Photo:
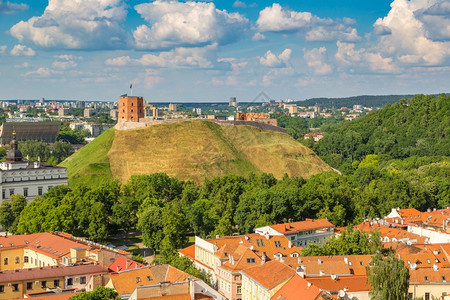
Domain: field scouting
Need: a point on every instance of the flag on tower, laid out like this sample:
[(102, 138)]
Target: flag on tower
[(131, 85)]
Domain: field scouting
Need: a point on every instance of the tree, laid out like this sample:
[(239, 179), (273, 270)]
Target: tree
[(100, 293), (6, 215), (389, 278), (150, 223)]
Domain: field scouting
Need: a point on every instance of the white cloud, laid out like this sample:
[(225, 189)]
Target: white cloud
[(276, 18), (21, 50), (240, 4), (22, 66), (317, 60), (416, 32), (64, 62), (42, 72), (81, 24), (9, 8), (259, 37), (201, 57), (271, 60), (187, 24), (348, 56), (3, 49)]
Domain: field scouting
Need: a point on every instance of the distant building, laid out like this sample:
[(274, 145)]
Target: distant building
[(257, 117), (197, 110), (64, 112), (36, 131), (114, 114), (315, 135), (232, 102), (172, 107), (28, 178), (131, 108), (89, 112), (358, 107)]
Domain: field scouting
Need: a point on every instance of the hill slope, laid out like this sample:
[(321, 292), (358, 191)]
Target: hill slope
[(195, 150)]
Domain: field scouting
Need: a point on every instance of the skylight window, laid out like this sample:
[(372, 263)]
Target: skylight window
[(251, 260)]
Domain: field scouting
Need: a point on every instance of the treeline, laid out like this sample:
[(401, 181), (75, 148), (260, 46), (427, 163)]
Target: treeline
[(417, 127), (167, 210), (364, 100)]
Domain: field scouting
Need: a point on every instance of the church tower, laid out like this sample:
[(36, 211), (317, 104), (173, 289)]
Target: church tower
[(131, 108)]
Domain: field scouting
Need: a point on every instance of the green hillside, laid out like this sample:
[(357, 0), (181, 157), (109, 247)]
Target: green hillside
[(192, 150), (419, 126), (90, 164)]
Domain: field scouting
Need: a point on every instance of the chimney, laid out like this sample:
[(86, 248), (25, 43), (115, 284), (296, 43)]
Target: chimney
[(334, 277), (435, 267), (301, 271), (263, 259), (118, 269), (127, 265), (282, 258), (413, 266), (319, 261), (346, 260), (309, 284), (267, 235), (322, 273), (299, 260), (290, 244)]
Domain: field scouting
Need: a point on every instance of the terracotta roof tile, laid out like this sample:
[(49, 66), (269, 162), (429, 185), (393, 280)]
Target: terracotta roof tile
[(308, 224), (123, 263), (345, 283), (270, 274), (125, 282), (297, 288)]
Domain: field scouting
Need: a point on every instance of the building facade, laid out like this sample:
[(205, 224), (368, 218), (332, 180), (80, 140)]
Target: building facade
[(27, 178), (131, 108)]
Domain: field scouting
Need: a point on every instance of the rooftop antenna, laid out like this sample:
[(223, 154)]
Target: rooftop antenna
[(131, 89)]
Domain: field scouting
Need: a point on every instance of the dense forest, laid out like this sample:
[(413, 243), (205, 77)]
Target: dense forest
[(419, 126), (364, 100)]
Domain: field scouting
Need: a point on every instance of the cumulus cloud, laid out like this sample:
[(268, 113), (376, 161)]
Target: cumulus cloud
[(276, 18), (201, 57), (240, 4), (190, 24), (24, 65), (42, 72), (347, 55), (82, 24), (259, 37), (317, 60), (416, 32), (9, 8), (64, 62), (3, 49), (271, 60), (22, 50)]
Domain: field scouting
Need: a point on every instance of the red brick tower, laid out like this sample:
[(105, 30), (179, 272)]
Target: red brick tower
[(131, 108)]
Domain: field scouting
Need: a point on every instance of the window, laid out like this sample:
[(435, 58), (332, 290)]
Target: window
[(69, 281), (138, 279), (11, 192), (149, 278), (426, 278), (131, 110), (238, 289), (427, 296), (25, 259), (2, 288), (428, 261), (443, 278), (123, 104), (410, 296), (15, 287), (292, 238), (262, 243), (40, 190), (251, 260), (277, 244), (17, 260), (29, 285), (3, 193), (257, 242), (5, 261), (83, 280), (25, 192), (56, 283), (44, 284)]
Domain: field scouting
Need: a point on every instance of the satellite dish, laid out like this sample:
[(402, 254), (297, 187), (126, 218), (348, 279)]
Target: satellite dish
[(341, 293)]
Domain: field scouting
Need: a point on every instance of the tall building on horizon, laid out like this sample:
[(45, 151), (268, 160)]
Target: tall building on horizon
[(131, 108)]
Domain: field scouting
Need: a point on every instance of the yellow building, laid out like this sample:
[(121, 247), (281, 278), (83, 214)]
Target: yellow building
[(16, 283), (52, 249), (263, 281)]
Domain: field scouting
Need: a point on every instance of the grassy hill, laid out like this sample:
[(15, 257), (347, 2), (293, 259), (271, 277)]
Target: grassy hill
[(192, 150)]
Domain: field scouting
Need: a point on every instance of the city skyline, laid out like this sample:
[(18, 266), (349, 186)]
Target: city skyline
[(209, 51)]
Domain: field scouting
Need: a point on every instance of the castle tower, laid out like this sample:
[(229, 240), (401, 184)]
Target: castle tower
[(131, 108)]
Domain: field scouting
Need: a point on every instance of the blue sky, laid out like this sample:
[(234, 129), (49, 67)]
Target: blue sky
[(209, 51)]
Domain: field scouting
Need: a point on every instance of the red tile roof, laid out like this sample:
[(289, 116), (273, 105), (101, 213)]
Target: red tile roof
[(297, 288), (345, 283), (123, 263), (188, 251), (270, 274), (308, 224)]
